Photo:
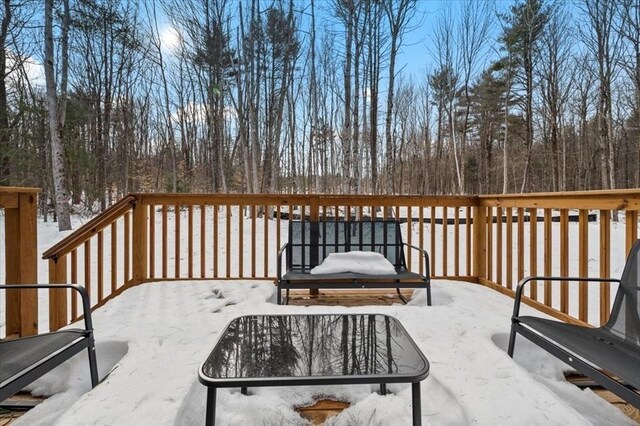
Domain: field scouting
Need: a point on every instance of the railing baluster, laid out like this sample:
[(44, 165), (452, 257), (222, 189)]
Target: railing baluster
[(445, 239), (228, 242), (152, 241), (87, 267), (74, 280), (520, 265), (631, 229), (215, 241), (190, 241), (100, 266), (165, 246), (127, 247), (421, 237), (241, 241), (409, 235), (253, 240), (533, 250), (583, 264), (564, 260), (265, 242), (548, 256), (469, 248), (489, 238), (278, 225), (499, 271), (456, 241), (177, 240), (509, 260), (114, 256), (432, 253), (605, 265), (203, 239)]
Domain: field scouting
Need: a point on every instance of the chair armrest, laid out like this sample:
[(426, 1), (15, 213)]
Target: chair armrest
[(525, 281), (86, 305), (279, 266), (424, 253)]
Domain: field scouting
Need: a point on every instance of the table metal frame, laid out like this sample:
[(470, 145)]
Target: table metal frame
[(244, 383)]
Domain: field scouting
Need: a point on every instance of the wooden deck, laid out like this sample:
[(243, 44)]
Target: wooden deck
[(347, 297)]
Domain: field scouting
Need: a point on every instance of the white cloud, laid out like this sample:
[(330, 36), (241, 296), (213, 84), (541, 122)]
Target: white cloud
[(32, 68)]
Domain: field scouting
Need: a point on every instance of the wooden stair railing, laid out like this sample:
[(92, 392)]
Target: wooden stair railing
[(66, 266)]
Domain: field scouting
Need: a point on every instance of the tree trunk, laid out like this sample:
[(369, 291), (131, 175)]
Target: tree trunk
[(55, 123), (5, 170)]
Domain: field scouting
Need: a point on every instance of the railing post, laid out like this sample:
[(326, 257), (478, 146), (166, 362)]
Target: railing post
[(314, 207), (479, 241), (21, 262), (314, 215), (140, 243), (631, 229), (58, 297)]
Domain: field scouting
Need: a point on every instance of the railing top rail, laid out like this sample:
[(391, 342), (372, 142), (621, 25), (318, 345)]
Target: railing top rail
[(615, 199), (294, 199), (19, 189), (90, 228)]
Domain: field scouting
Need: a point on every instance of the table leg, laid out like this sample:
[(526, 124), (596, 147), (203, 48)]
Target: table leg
[(210, 420), (415, 404), (244, 391), (383, 388)]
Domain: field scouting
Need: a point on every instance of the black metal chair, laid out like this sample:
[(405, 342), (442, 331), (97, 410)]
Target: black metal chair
[(310, 242), (25, 359), (610, 354)]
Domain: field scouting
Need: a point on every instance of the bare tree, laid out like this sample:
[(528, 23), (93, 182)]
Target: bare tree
[(4, 111), (156, 44), (556, 74), (473, 36), (630, 32), (399, 13), (604, 44), (57, 109)]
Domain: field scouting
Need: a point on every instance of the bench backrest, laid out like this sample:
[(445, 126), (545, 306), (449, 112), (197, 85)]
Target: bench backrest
[(625, 315), (311, 242)]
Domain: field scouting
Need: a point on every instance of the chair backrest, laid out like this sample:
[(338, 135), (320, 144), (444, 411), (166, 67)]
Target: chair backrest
[(625, 315), (311, 242)]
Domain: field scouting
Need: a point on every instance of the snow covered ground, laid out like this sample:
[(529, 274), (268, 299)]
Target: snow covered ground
[(153, 338)]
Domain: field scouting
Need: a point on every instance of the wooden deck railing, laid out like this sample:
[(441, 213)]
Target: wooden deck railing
[(20, 258), (82, 258), (583, 233), (486, 239)]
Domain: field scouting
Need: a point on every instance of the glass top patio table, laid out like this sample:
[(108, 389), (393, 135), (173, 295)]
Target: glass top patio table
[(284, 350)]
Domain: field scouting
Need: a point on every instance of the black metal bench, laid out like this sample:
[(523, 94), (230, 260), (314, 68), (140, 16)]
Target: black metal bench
[(25, 359), (610, 354), (310, 242)]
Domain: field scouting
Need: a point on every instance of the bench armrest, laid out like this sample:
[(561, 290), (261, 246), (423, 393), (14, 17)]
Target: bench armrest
[(86, 306), (425, 255), (527, 280), (279, 266)]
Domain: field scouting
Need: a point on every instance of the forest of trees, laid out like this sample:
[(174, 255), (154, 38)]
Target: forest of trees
[(299, 96)]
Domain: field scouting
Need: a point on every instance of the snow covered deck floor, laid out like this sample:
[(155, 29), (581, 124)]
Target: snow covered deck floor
[(153, 337)]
